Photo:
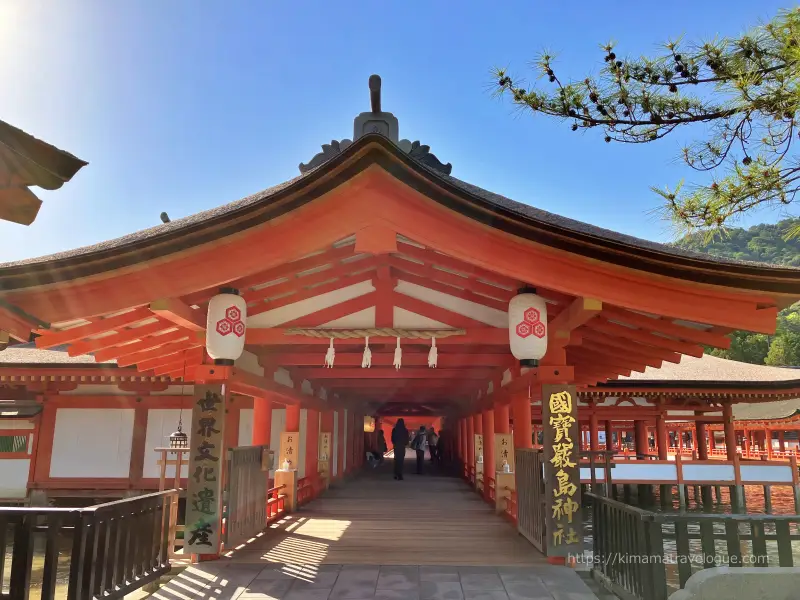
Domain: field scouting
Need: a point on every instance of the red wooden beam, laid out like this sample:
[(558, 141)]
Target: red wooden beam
[(428, 272), (431, 311), (594, 337), (116, 339), (276, 336), (644, 337), (288, 269), (148, 343), (378, 373), (297, 283), (410, 359), (174, 361), (579, 311), (179, 313), (49, 338), (303, 293), (453, 291), (687, 334), (621, 353), (141, 357), (337, 311)]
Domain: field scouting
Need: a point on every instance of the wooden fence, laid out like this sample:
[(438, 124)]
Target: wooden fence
[(644, 555), (115, 548), (246, 494), (530, 497)]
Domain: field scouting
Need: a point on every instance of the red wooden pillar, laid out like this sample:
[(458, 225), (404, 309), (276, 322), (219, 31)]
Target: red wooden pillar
[(470, 442), (712, 442), (464, 442), (609, 427), (730, 432), (341, 443), (781, 441), (488, 450), (312, 444), (502, 422), (662, 439), (478, 423), (523, 427), (594, 438), (640, 437), (700, 430), (768, 442), (746, 441), (292, 418), (262, 421)]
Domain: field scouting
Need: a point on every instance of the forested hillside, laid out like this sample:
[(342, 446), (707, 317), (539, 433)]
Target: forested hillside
[(762, 243)]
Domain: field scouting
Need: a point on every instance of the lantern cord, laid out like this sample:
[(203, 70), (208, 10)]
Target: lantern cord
[(330, 356), (433, 355), (366, 361), (183, 387), (341, 334), (398, 356)]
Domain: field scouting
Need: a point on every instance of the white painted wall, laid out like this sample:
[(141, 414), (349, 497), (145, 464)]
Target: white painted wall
[(92, 442), (335, 444), (14, 477), (161, 422), (245, 427), (479, 312)]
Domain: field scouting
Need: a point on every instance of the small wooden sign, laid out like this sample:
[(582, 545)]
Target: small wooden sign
[(325, 445), (503, 451), (478, 446), (289, 449), (562, 470)]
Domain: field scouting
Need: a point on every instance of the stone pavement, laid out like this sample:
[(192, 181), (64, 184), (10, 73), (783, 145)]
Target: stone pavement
[(231, 581)]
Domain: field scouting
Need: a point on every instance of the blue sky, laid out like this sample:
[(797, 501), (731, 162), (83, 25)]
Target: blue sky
[(183, 105)]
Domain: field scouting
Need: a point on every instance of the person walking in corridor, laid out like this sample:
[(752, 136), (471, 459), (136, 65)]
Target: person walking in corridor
[(399, 445), (433, 445), (419, 444)]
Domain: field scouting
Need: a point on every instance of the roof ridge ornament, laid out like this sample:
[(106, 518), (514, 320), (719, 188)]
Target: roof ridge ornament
[(377, 122)]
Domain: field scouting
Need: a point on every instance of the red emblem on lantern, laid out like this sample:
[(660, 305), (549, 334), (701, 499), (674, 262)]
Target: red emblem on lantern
[(231, 323), (531, 324)]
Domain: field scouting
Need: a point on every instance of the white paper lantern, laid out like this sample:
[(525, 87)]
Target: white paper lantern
[(226, 325), (527, 327)]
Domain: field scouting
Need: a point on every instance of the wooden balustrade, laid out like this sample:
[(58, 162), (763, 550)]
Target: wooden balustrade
[(116, 547), (275, 502), (511, 506), (644, 555), (491, 483)]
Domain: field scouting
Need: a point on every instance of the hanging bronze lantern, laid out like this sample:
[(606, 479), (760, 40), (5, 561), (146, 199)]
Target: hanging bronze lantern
[(178, 439)]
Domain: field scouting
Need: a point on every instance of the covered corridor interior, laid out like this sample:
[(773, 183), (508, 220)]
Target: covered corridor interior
[(427, 537)]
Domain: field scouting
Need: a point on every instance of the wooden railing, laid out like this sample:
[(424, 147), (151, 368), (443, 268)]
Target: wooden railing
[(309, 488), (646, 556), (511, 505), (246, 494), (275, 502), (116, 547), (491, 483)]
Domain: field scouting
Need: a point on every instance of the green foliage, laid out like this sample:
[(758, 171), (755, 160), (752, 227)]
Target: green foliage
[(741, 95), (760, 243), (784, 350)]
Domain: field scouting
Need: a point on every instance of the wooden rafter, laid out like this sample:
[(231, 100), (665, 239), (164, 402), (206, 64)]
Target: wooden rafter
[(437, 313), (148, 343), (49, 339), (140, 357), (645, 337), (303, 293), (679, 332), (615, 341), (456, 292), (181, 314), (124, 336)]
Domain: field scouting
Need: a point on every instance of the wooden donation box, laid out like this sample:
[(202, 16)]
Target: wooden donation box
[(504, 479)]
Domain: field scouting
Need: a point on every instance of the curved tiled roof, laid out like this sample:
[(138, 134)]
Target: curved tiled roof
[(474, 202), (710, 368), (29, 354)]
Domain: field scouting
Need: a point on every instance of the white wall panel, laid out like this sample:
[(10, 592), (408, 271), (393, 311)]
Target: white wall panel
[(479, 312), (344, 441), (14, 477), (161, 422), (92, 442), (245, 427)]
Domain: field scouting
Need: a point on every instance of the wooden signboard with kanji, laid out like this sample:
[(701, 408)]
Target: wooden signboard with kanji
[(324, 445), (478, 446), (204, 494), (289, 449), (503, 451), (562, 470)]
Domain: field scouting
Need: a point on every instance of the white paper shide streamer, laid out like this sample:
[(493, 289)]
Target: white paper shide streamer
[(398, 356), (366, 361), (330, 356), (433, 355)]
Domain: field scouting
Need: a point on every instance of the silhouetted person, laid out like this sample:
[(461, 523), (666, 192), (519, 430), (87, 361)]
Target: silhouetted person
[(399, 445), (419, 444), (381, 445)]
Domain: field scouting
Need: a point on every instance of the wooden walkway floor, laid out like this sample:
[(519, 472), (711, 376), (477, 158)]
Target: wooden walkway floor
[(374, 520)]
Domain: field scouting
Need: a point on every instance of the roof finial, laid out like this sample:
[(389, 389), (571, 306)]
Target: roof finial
[(375, 92)]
